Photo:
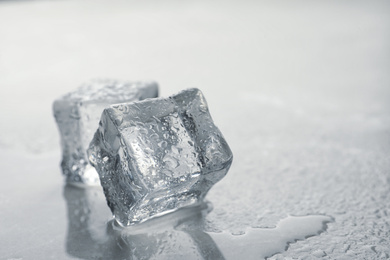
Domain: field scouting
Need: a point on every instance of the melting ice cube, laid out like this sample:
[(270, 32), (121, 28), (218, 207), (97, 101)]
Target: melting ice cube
[(77, 115), (158, 155)]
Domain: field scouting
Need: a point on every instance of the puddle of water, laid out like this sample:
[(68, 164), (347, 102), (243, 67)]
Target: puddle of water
[(91, 234), (260, 243)]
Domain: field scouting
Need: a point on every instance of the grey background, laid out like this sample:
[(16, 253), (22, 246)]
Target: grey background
[(299, 89)]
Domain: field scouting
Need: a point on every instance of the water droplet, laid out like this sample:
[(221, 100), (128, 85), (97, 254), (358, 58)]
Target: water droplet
[(118, 121), (238, 233), (163, 144)]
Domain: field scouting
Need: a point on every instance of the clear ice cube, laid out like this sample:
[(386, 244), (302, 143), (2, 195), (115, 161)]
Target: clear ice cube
[(158, 155), (77, 115)]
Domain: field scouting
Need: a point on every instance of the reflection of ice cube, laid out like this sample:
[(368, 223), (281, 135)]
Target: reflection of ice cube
[(172, 236), (178, 235), (172, 244), (87, 217), (77, 115), (158, 155)]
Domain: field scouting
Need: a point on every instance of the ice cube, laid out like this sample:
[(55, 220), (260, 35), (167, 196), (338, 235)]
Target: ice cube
[(158, 155), (77, 115)]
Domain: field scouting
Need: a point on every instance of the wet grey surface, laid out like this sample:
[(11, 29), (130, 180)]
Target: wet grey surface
[(300, 92)]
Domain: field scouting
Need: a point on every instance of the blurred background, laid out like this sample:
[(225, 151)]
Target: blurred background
[(299, 89), (329, 53)]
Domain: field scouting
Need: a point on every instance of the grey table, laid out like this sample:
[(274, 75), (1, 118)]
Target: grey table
[(300, 91)]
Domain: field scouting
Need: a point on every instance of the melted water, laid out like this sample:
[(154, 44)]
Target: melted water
[(178, 235), (259, 243)]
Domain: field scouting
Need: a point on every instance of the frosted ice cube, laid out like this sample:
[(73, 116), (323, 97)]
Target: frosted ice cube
[(158, 155), (77, 115)]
